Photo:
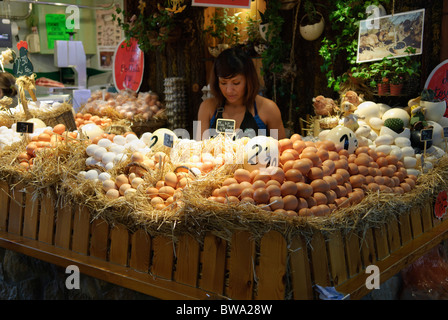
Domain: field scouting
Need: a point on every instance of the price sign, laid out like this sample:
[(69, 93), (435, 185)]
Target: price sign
[(225, 125), (441, 204), (129, 63), (426, 134), (25, 127), (162, 137), (261, 152)]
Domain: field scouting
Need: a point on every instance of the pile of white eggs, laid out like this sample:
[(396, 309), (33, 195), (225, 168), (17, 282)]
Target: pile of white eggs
[(107, 154), (8, 136)]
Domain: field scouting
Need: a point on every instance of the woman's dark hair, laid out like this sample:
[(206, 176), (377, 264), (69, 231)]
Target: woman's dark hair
[(228, 64), (7, 84)]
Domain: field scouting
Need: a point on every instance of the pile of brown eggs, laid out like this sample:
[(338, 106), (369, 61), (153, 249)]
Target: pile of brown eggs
[(315, 178)]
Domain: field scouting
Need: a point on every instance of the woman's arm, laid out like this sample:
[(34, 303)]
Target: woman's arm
[(270, 113), (205, 114)]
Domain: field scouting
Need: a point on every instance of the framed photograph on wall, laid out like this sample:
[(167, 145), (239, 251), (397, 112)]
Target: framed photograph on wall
[(222, 3), (390, 35)]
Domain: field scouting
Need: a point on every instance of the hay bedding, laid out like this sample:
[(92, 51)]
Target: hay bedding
[(56, 173)]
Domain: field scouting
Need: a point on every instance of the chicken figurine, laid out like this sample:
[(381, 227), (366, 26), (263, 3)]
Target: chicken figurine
[(349, 118)]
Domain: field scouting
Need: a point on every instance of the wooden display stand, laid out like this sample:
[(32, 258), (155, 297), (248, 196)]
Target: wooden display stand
[(271, 268)]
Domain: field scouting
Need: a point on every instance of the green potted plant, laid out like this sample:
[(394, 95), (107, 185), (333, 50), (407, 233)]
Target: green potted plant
[(151, 29), (255, 43), (225, 29), (403, 68), (312, 23)]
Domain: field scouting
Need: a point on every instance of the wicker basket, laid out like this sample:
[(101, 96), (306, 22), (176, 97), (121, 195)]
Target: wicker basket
[(67, 118)]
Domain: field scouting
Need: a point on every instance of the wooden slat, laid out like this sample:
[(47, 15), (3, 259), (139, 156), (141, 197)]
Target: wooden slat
[(81, 230), (213, 262), (271, 269), (119, 245), (405, 228), (187, 265), (416, 222), (319, 260), (338, 265), (31, 215), (393, 234), (16, 208), (162, 263), (368, 248), (241, 266), (140, 251), (4, 205), (300, 270), (381, 243), (427, 217), (46, 220), (64, 222), (99, 239), (353, 252)]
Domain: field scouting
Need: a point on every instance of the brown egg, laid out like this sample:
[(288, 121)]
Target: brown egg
[(295, 137), (311, 149), (373, 187), (160, 184), (398, 190), (246, 184), (342, 202), (332, 182), (341, 164), (258, 184), (276, 202), (406, 187), (325, 210), (363, 170), (294, 175), (344, 173), (351, 158), (157, 200), (286, 156), (355, 197), (247, 200), (229, 181), (357, 180), (348, 186), (391, 159), (410, 182), (328, 145), (338, 177), (302, 203), (220, 199), (222, 192), (241, 175), (330, 164), (320, 198), (340, 191), (361, 150), (373, 164), (261, 196), (285, 144), (290, 202), (326, 171), (396, 181), (303, 165), (387, 171), (294, 153), (121, 179), (353, 169), (109, 184), (234, 189), (311, 202), (382, 161), (166, 192), (288, 165), (274, 190), (379, 180), (288, 188), (312, 156), (112, 194), (273, 182), (253, 174), (319, 185), (386, 189), (362, 161), (152, 192), (247, 193), (343, 152), (369, 179), (264, 176), (304, 190), (304, 212), (171, 179), (231, 199), (298, 145), (315, 173), (137, 157), (277, 174), (333, 155), (123, 188), (316, 211), (323, 154)]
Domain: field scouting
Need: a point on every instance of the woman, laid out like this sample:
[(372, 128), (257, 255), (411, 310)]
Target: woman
[(234, 85), (7, 87)]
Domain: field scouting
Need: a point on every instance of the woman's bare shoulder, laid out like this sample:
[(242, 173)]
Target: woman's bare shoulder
[(208, 105), (265, 105)]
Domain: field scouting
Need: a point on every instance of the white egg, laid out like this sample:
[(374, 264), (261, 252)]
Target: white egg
[(131, 137), (90, 150), (108, 157), (396, 151), (409, 162), (120, 157), (385, 139), (105, 143), (82, 174), (98, 154), (402, 142), (408, 151), (120, 140), (117, 148), (383, 148), (376, 123), (91, 174), (414, 172), (109, 166), (91, 161), (146, 137), (104, 176)]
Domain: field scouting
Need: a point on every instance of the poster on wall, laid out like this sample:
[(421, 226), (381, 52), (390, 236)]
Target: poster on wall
[(108, 36), (390, 35), (438, 81), (128, 66), (222, 3), (56, 29)]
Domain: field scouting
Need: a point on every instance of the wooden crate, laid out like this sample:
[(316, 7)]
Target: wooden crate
[(271, 268)]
